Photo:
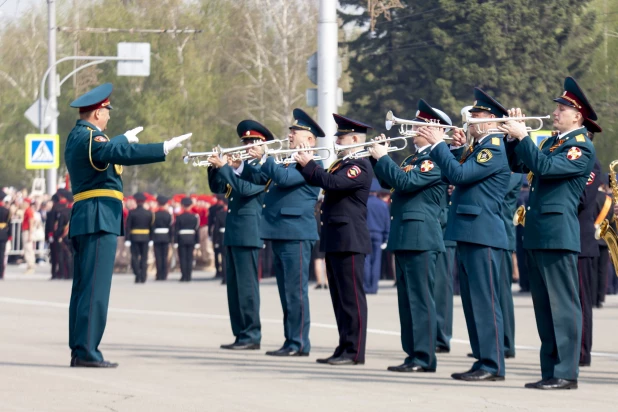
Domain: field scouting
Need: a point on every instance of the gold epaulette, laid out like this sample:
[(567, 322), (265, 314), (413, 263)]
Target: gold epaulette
[(580, 138), (229, 191)]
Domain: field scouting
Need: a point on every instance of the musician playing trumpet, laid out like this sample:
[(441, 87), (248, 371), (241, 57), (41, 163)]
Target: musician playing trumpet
[(415, 238), (289, 223), (481, 177)]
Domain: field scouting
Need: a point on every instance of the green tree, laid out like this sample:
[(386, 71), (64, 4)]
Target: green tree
[(519, 51)]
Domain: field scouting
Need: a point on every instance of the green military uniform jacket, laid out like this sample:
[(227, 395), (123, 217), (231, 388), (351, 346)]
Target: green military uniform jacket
[(244, 207), (415, 209), (560, 170), (94, 162)]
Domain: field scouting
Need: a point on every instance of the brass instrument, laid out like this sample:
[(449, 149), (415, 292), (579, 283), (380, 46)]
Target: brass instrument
[(365, 152), (605, 230), (406, 127), (235, 153), (519, 218), (284, 156), (476, 121)]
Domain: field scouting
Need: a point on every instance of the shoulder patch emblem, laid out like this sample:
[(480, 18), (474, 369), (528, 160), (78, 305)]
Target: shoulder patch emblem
[(427, 165), (354, 172), (574, 153), (100, 139), (484, 156), (580, 138), (495, 141), (591, 179)]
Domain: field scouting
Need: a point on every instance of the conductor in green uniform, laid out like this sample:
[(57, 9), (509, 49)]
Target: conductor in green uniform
[(94, 162)]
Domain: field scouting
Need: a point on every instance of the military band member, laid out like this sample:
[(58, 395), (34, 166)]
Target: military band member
[(480, 177), (94, 164), (161, 236), (416, 239), (560, 170), (61, 236), (50, 222), (241, 239), (137, 236), (344, 237), (5, 231), (288, 222), (590, 250), (506, 291), (186, 238)]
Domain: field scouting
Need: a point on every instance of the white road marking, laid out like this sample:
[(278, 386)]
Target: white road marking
[(223, 317)]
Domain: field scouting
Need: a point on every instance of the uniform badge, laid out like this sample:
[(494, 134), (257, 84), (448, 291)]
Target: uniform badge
[(100, 139), (574, 153), (427, 165), (580, 138), (590, 179), (354, 172), (484, 156)]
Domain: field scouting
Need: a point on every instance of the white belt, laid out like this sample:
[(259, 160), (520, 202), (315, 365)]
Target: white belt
[(186, 232), (162, 230)]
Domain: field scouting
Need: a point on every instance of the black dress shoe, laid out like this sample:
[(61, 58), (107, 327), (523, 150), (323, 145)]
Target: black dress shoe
[(442, 349), (73, 361), (470, 355), (241, 346), (286, 352), (509, 355), (409, 367), (339, 361), (532, 385), (319, 286), (555, 383), (325, 360), (477, 376), (584, 363), (92, 364)]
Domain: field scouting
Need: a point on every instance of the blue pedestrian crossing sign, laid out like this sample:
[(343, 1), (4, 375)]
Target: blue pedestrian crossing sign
[(42, 151)]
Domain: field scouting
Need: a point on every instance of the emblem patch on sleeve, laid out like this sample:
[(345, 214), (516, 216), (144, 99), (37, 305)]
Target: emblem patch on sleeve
[(427, 165), (354, 172), (574, 153), (591, 179), (100, 139), (484, 156)]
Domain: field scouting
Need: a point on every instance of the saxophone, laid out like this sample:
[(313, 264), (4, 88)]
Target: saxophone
[(605, 231)]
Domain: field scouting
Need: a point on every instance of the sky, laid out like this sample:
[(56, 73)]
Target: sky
[(9, 9)]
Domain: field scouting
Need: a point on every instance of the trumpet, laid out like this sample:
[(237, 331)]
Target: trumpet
[(406, 126), (365, 152), (475, 121), (284, 156), (235, 153)]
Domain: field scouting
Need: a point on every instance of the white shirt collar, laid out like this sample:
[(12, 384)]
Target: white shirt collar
[(561, 135), (420, 149)]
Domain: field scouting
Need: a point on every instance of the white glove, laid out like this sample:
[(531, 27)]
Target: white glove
[(174, 142), (197, 246), (150, 243), (132, 134), (127, 243), (383, 246), (175, 245)]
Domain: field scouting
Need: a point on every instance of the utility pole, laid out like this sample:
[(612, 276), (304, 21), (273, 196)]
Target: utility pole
[(327, 72), (52, 174)]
